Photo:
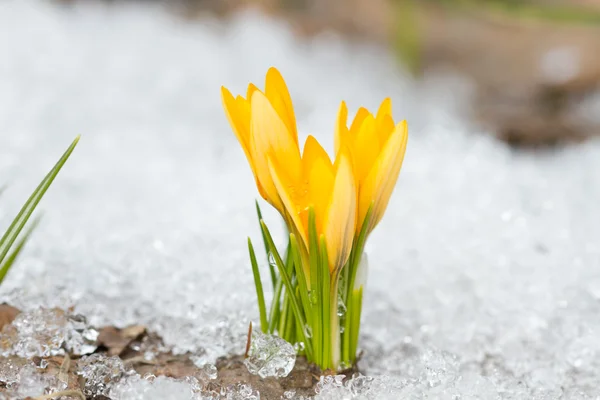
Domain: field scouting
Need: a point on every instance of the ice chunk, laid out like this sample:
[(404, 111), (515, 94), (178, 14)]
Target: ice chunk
[(23, 379), (9, 369), (100, 373), (81, 338), (46, 332), (270, 355)]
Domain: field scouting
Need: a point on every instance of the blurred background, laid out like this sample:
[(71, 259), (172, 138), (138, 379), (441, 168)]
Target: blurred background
[(534, 64)]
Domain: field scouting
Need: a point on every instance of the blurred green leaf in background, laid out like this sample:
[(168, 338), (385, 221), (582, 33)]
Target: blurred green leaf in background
[(12, 242)]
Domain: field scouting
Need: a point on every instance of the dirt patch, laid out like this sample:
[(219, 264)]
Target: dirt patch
[(132, 345)]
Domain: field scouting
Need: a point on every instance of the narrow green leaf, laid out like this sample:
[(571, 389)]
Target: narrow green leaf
[(9, 261), (315, 292), (285, 315), (327, 297), (289, 288), (21, 219), (357, 297), (262, 309), (267, 250), (353, 261), (301, 278), (275, 313)]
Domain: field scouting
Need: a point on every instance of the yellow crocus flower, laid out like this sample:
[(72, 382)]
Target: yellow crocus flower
[(239, 113), (265, 126), (377, 146)]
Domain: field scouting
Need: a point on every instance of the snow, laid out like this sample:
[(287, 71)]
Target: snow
[(484, 277)]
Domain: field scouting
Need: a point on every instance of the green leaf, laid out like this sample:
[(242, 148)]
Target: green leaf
[(327, 299), (262, 309), (301, 278), (267, 250), (355, 255), (275, 314), (9, 261), (315, 293), (21, 219)]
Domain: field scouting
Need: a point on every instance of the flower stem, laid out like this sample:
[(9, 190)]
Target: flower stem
[(262, 309)]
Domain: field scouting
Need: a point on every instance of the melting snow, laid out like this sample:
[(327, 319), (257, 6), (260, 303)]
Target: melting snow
[(484, 276)]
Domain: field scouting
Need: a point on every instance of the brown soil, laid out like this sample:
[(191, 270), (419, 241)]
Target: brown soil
[(125, 343)]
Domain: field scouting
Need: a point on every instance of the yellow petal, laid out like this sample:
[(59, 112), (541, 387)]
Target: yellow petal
[(238, 114), (384, 122), (271, 138), (278, 94), (381, 180), (361, 114), (341, 213), (385, 127), (341, 127), (251, 89), (365, 147), (285, 189), (319, 173), (385, 108), (237, 120)]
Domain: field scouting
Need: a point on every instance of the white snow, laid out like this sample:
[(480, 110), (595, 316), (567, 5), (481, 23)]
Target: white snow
[(484, 277)]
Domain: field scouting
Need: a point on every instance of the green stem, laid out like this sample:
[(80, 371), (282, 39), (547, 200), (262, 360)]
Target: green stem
[(327, 304), (348, 336), (275, 312), (334, 325), (262, 309), (285, 315), (271, 266), (357, 296)]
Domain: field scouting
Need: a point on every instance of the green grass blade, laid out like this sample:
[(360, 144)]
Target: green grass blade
[(315, 292), (353, 261), (289, 288), (328, 297), (21, 219), (357, 297), (9, 261), (275, 313), (262, 309), (267, 250), (301, 278)]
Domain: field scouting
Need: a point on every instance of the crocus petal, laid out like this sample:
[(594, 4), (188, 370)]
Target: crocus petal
[(251, 89), (271, 138), (236, 120), (384, 122), (379, 183), (238, 115), (278, 94), (320, 175), (366, 148), (385, 108), (361, 114), (341, 213), (285, 189), (385, 127), (341, 127)]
